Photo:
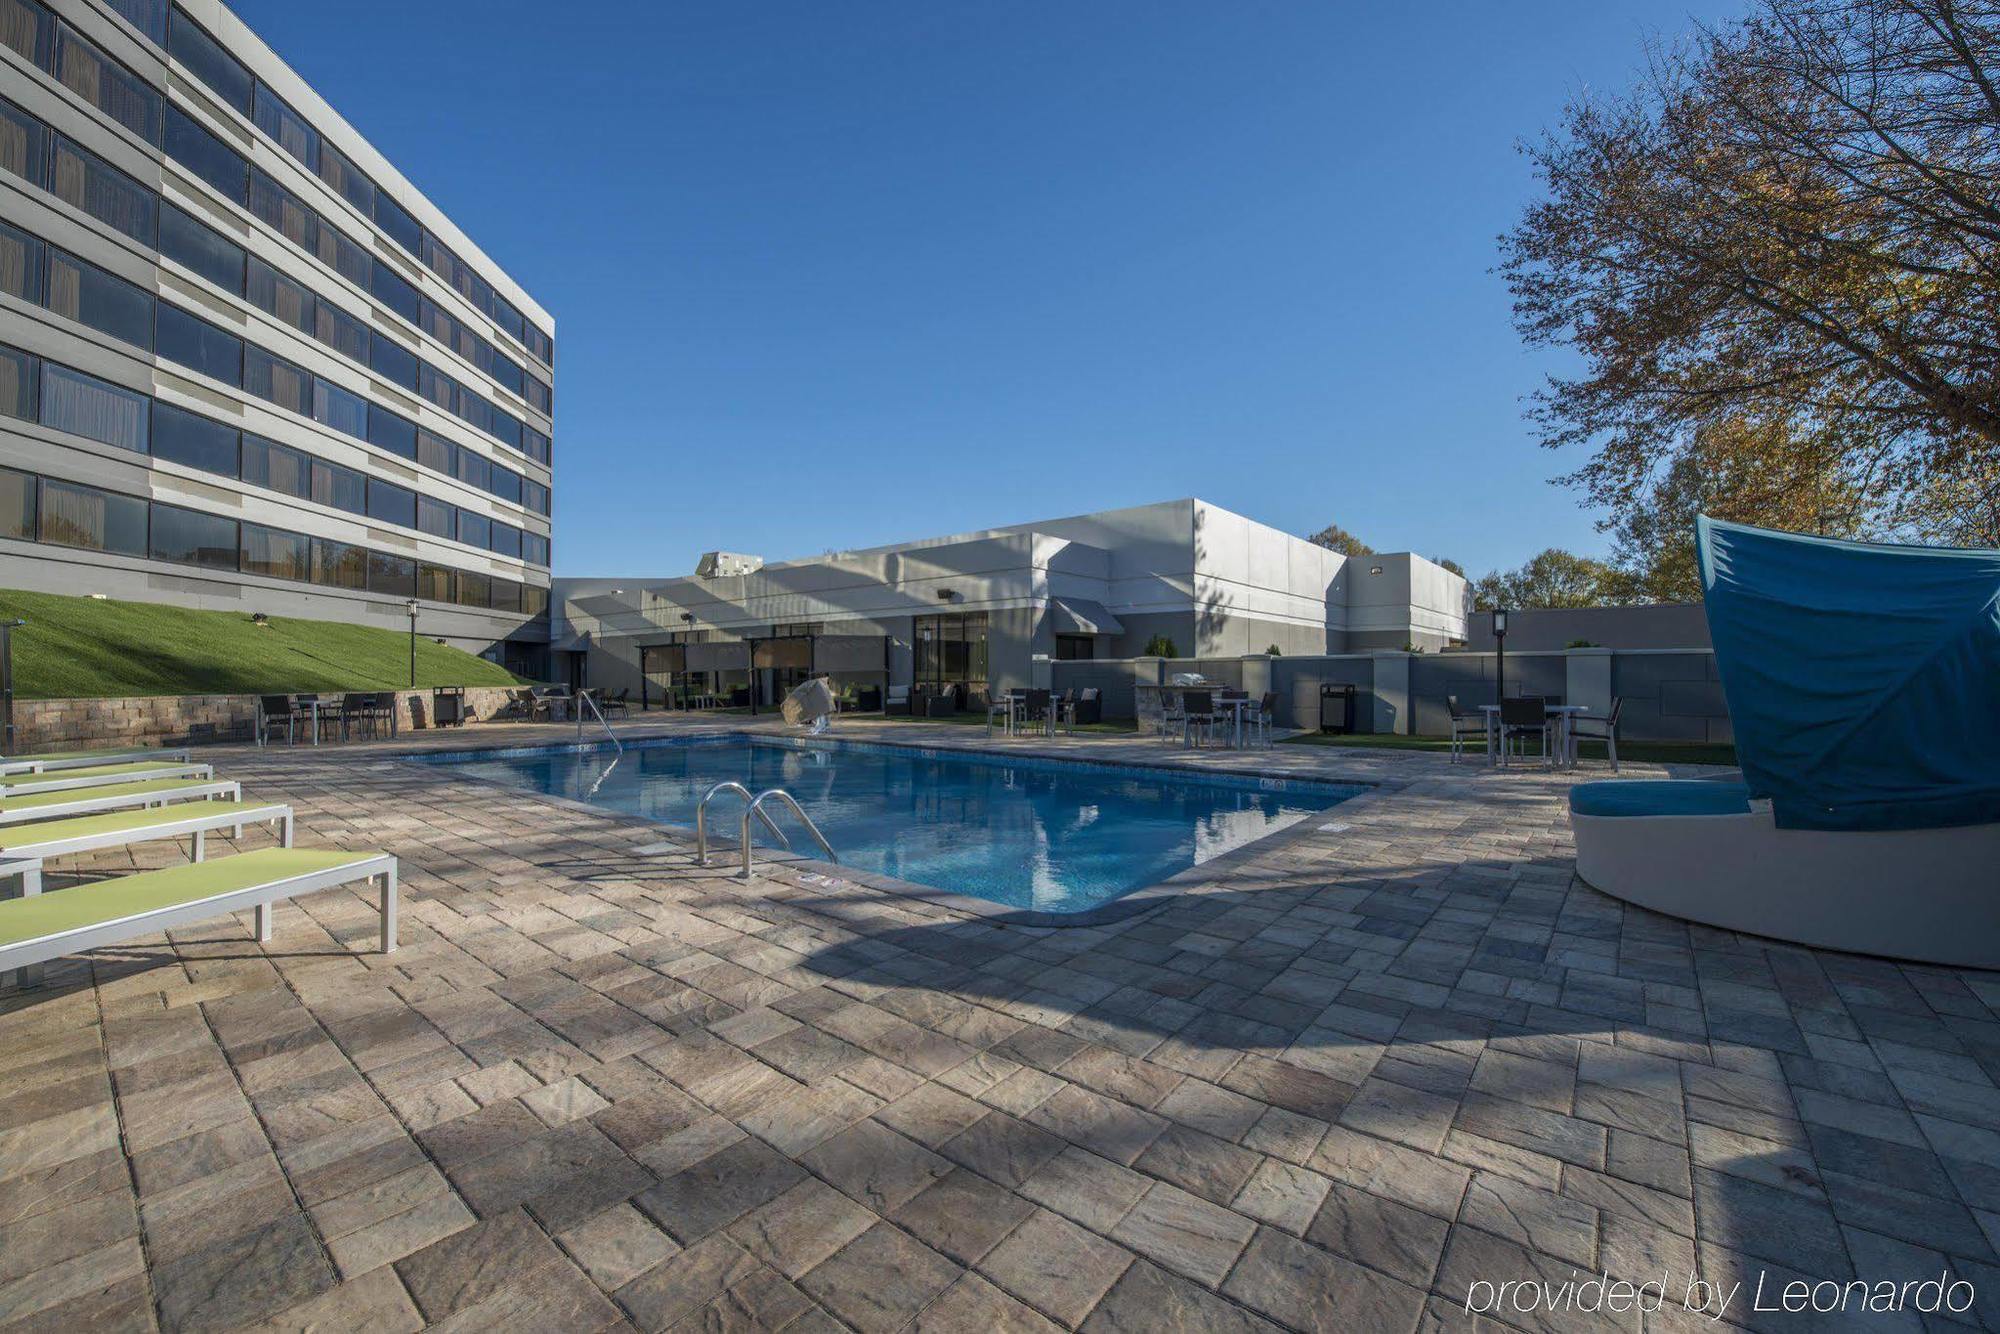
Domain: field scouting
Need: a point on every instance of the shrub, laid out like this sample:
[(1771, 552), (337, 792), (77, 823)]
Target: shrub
[(1272, 652), (1159, 646)]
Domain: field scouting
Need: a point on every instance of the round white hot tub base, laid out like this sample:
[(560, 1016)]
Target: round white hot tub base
[(1929, 895)]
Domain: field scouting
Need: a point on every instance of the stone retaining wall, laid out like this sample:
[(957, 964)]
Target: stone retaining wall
[(191, 720)]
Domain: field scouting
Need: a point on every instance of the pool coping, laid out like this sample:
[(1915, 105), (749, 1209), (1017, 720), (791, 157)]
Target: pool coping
[(1146, 899)]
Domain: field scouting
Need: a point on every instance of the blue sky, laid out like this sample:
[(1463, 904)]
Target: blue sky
[(830, 275)]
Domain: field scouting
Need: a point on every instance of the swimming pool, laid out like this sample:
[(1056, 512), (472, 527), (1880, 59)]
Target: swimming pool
[(1047, 835)]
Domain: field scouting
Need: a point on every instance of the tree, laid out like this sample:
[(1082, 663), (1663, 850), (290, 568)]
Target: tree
[(1748, 472), (1159, 646), (1335, 538), (1450, 564), (1555, 578), (1793, 222)]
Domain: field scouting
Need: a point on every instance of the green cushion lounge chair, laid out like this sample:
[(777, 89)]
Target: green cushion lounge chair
[(65, 802), (100, 776), (117, 829), (84, 759), (38, 927)]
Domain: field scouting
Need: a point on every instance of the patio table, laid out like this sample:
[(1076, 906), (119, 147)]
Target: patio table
[(1565, 745), (316, 707), (1237, 708), (1011, 703)]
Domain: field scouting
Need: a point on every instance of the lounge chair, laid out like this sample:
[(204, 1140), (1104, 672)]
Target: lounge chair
[(83, 801), (14, 785), (1860, 685), (38, 927), (117, 829), (84, 759)]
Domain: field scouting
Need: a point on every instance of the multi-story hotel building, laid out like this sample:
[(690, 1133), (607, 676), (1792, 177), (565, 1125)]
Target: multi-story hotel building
[(243, 362)]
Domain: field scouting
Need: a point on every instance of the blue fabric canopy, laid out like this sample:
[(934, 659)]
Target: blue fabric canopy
[(1863, 679)]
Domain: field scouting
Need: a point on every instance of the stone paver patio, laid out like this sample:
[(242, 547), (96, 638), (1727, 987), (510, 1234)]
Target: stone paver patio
[(1370, 1067)]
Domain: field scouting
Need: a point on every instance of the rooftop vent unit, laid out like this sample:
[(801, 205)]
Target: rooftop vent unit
[(725, 564)]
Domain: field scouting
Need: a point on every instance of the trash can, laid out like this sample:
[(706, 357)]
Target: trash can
[(1336, 707)]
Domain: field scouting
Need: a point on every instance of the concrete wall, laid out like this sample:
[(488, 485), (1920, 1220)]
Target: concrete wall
[(194, 720), (1669, 696), (1662, 625)]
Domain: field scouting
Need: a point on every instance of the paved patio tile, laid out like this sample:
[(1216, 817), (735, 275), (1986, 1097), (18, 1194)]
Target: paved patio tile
[(1326, 1087)]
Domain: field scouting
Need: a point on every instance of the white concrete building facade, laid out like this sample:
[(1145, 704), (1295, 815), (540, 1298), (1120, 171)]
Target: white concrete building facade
[(243, 362), (970, 613)]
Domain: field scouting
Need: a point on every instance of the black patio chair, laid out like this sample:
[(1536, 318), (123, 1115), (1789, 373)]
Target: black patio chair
[(1521, 718), (275, 711), (1599, 727), (1464, 723)]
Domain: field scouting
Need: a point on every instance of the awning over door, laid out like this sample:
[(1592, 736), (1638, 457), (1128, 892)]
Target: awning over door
[(731, 657), (1081, 616), (850, 653)]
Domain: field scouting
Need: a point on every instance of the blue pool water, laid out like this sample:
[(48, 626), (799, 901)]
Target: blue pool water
[(1047, 835)]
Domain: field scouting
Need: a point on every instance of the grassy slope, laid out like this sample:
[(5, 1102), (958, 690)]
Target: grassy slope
[(83, 648)]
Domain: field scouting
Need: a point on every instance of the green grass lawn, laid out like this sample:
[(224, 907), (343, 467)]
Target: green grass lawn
[(80, 648), (1647, 752)]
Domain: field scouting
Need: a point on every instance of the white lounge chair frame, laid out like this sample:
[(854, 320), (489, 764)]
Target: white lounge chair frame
[(26, 955), (48, 764), (195, 823), (55, 782), (87, 804)]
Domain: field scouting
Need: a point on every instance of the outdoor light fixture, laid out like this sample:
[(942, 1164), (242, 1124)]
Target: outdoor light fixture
[(1500, 653), (688, 617), (412, 606), (1374, 569), (947, 595)]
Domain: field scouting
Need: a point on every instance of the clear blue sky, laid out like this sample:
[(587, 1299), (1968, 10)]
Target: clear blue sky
[(830, 275)]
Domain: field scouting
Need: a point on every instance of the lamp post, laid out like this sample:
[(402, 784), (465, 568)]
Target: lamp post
[(412, 606), (1499, 654)]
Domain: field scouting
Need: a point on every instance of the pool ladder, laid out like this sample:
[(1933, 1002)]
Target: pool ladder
[(754, 806)]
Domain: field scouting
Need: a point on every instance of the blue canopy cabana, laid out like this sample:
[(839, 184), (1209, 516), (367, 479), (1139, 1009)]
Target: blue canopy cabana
[(1863, 679)]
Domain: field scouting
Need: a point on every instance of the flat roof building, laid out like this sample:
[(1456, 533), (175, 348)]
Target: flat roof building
[(970, 613), (245, 363)]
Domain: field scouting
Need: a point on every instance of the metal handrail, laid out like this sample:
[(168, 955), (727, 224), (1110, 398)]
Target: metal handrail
[(583, 697), (756, 807), (701, 820)]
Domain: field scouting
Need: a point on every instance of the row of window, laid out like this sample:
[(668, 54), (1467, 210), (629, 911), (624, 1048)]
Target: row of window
[(64, 399), (172, 30), (44, 509), (36, 271), (51, 161)]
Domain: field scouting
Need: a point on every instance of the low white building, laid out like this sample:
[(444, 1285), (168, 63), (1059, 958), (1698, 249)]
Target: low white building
[(970, 613)]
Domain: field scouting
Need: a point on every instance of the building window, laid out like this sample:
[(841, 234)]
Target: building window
[(401, 227), (201, 250), (275, 553), (534, 599), (339, 564), (345, 177), (277, 381), (17, 504), (20, 263), (474, 529), (180, 436), (83, 182), (341, 332), (199, 345), (1075, 648), (275, 294), (434, 451), (396, 434), (436, 518), (108, 85), (287, 127), (148, 16), (506, 484), (435, 583), (343, 410), (951, 650), (394, 293), (204, 56), (215, 162), (275, 467), (284, 212), (87, 406), (392, 361), (535, 549), (193, 538), (474, 470), (90, 296), (339, 488), (474, 590), (394, 575), (29, 29), (20, 384), (392, 504), (83, 516), (506, 540), (24, 145)]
